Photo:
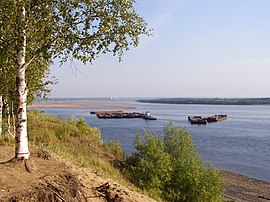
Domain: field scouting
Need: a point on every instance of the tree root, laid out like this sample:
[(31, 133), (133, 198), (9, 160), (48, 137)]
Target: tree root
[(15, 159)]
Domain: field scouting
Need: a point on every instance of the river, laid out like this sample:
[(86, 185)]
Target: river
[(240, 144)]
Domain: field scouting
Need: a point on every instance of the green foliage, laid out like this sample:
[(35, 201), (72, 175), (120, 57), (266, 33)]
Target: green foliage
[(37, 73), (115, 148), (150, 167), (79, 29), (170, 168), (85, 29)]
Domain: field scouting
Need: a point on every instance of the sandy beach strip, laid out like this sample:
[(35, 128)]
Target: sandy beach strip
[(79, 106), (242, 188)]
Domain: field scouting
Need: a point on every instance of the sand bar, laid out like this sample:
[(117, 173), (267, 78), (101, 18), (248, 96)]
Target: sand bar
[(79, 106)]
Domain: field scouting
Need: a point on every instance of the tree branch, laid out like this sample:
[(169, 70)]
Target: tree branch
[(28, 63)]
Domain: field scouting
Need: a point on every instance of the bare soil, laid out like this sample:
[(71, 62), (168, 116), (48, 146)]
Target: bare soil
[(53, 178)]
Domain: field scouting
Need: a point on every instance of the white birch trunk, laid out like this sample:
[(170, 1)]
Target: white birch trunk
[(21, 150), (1, 111)]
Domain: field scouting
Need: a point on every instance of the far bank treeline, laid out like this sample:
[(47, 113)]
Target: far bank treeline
[(210, 101)]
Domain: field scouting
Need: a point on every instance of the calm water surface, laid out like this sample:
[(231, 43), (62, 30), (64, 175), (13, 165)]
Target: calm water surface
[(240, 144)]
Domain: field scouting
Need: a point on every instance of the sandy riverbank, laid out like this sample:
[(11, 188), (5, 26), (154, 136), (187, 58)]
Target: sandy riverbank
[(80, 106), (241, 188)]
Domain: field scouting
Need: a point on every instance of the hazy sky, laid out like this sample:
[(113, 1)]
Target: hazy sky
[(200, 48)]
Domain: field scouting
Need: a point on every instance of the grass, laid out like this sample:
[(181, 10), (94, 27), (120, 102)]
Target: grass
[(75, 140)]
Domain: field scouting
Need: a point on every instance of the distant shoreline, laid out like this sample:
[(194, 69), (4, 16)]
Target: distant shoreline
[(209, 101)]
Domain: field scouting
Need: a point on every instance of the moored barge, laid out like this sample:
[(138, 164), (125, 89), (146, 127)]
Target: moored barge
[(209, 119), (197, 120), (122, 115), (216, 118)]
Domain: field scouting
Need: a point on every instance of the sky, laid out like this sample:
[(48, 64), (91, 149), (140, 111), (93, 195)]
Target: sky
[(200, 48)]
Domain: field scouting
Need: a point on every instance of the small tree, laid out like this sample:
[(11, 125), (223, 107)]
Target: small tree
[(11, 85), (171, 168), (191, 180)]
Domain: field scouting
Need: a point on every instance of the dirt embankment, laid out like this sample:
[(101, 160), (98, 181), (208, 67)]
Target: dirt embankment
[(54, 178)]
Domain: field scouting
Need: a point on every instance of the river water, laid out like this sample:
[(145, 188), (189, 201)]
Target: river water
[(240, 144)]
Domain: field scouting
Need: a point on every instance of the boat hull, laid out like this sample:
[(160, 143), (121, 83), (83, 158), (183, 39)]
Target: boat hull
[(197, 120), (216, 118)]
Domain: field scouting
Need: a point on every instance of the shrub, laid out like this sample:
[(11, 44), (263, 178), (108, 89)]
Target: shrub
[(170, 167), (150, 167)]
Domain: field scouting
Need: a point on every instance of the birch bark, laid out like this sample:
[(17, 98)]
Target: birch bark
[(21, 150)]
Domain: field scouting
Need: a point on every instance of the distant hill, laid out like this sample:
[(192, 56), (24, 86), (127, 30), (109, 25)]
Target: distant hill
[(210, 101)]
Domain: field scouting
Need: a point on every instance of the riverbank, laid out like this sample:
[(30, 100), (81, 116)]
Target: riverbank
[(49, 170), (55, 178), (241, 188)]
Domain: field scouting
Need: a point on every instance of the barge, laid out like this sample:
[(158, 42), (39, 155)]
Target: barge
[(216, 118), (197, 120), (209, 119), (123, 115)]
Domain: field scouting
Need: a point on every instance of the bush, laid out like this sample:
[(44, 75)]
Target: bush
[(170, 167), (150, 167)]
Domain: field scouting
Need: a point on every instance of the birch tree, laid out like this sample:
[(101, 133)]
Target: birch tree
[(38, 85), (21, 119), (77, 29)]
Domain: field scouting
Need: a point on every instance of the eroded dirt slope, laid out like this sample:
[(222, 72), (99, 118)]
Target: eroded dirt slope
[(56, 179)]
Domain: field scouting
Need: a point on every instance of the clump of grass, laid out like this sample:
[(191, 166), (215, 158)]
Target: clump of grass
[(6, 139)]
